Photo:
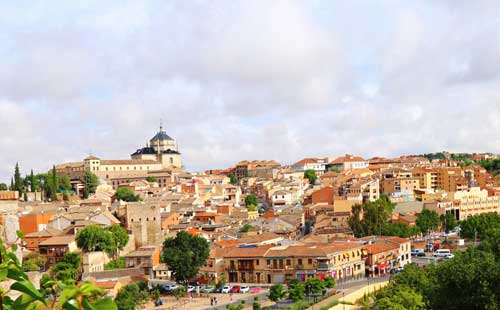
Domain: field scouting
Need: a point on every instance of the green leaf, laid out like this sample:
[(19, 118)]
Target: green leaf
[(104, 304), (15, 273), (71, 305), (3, 274), (19, 234), (14, 247), (27, 288)]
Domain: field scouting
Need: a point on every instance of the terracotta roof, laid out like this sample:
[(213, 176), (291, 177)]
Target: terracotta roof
[(59, 240), (228, 243), (306, 161), (107, 285), (247, 252), (128, 162), (347, 158), (381, 246)]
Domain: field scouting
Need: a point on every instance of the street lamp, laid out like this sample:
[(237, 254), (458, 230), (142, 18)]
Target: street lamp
[(343, 299)]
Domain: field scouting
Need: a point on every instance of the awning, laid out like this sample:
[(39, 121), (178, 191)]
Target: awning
[(382, 266)]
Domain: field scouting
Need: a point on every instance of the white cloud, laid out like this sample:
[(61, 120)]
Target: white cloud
[(250, 79)]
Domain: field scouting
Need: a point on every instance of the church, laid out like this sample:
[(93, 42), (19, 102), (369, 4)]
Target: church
[(159, 158), (161, 148)]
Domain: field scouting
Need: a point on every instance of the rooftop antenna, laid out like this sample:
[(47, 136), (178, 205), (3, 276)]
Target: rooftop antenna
[(161, 125)]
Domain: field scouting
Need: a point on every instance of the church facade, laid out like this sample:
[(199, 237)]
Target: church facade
[(158, 158)]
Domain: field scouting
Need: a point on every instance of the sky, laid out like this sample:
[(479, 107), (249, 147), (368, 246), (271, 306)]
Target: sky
[(236, 80)]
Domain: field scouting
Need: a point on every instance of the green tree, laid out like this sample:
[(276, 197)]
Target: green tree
[(491, 242), (448, 221), (151, 179), (94, 238), (33, 262), (329, 282), (33, 183), (65, 183), (126, 194), (3, 187), (400, 230), (314, 285), (119, 239), (185, 254), (399, 297), (375, 216), (239, 306), (91, 182), (54, 184), (65, 272), (74, 259), (245, 228), (311, 176), (18, 181), (427, 220), (131, 296), (277, 292), (256, 304), (251, 200), (232, 178), (296, 290)]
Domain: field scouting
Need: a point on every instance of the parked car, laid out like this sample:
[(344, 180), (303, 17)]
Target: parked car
[(194, 283), (170, 287), (207, 289), (218, 289), (235, 289), (449, 256), (417, 252), (442, 253), (191, 289), (396, 270), (226, 289), (244, 289), (255, 290)]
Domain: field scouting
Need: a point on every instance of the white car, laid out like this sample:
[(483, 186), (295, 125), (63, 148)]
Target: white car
[(449, 256), (191, 288), (226, 289), (244, 289), (170, 287)]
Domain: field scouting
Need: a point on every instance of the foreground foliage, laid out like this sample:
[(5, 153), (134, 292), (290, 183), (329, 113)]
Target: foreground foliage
[(53, 294)]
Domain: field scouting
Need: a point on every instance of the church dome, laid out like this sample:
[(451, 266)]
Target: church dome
[(161, 136)]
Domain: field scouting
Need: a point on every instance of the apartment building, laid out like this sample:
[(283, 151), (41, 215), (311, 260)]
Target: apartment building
[(348, 162), (281, 264)]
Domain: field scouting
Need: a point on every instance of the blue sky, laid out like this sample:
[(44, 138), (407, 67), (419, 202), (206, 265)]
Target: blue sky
[(247, 79)]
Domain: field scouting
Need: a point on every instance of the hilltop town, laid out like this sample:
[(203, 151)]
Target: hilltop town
[(342, 219)]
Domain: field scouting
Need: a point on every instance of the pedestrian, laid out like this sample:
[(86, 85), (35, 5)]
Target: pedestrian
[(215, 300), (211, 301), (231, 296)]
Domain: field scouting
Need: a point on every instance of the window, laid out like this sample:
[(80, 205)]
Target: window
[(288, 262), (310, 261), (300, 261), (257, 262)]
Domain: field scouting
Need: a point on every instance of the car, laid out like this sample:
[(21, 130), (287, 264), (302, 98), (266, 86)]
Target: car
[(442, 253), (235, 289), (194, 283), (207, 289), (226, 289), (244, 289), (170, 287), (191, 289), (255, 290), (396, 270), (449, 256), (417, 252)]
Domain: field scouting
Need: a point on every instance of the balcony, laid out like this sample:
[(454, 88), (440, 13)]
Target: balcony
[(324, 266), (246, 267), (299, 267)]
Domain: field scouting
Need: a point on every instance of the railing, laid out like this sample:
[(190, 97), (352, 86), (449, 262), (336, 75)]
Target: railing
[(324, 266)]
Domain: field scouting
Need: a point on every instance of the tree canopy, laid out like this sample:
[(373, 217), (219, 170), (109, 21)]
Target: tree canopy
[(185, 254), (311, 176), (126, 194), (109, 239), (427, 220), (251, 200)]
